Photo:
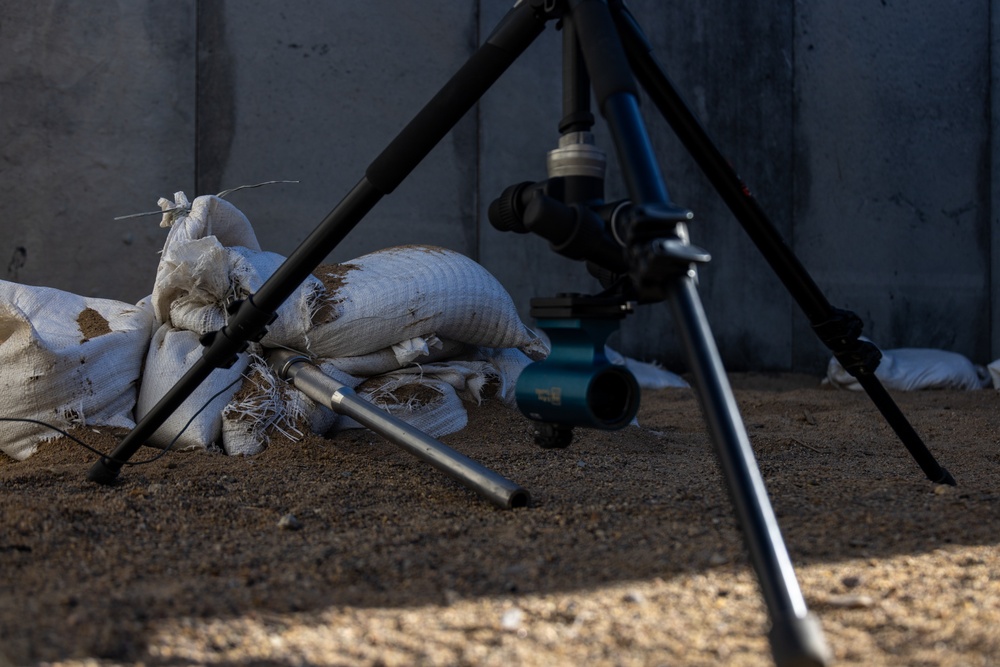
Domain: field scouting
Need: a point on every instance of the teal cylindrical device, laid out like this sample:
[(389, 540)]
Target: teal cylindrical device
[(577, 385)]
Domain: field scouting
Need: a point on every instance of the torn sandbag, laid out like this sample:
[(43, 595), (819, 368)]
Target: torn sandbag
[(379, 313), (268, 408), (397, 294), (264, 405), (508, 363), (911, 369), (428, 404), (66, 360), (428, 396), (197, 279), (208, 217)]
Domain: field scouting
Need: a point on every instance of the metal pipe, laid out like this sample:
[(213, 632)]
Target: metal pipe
[(323, 389)]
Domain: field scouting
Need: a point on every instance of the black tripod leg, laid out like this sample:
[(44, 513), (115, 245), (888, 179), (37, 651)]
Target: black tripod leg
[(515, 32), (796, 637), (838, 329)]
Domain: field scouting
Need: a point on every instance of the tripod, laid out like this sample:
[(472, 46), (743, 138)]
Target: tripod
[(643, 257)]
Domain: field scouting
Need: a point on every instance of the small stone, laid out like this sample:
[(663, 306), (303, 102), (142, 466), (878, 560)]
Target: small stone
[(289, 522), (635, 597), (851, 601), (717, 559), (511, 619), (851, 582)]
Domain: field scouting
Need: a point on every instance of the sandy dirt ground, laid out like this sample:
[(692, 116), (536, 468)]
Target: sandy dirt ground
[(349, 551)]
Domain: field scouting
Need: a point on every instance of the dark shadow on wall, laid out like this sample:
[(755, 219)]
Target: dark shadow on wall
[(215, 118)]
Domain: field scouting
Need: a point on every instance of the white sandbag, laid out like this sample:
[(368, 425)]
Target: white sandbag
[(428, 396), (401, 293), (420, 350), (469, 378), (648, 375), (428, 404), (193, 274), (66, 360), (480, 374), (198, 278), (264, 406), (171, 353), (211, 257), (911, 369), (267, 407), (994, 370), (508, 364), (206, 216)]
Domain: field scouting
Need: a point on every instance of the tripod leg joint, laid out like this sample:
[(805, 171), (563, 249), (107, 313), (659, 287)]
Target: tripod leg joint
[(842, 335), (246, 323)]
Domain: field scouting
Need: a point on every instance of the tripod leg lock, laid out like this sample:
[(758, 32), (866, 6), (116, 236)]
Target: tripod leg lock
[(247, 323), (842, 335)]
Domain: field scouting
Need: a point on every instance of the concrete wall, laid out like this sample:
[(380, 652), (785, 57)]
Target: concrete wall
[(865, 130), (893, 167), (97, 117)]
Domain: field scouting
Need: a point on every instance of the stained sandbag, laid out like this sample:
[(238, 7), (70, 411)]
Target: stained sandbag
[(508, 364), (429, 396), (433, 396), (266, 406), (268, 409), (471, 379), (211, 257), (429, 404), (66, 360), (397, 294)]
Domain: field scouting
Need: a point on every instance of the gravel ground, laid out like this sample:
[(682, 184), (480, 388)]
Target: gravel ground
[(628, 554)]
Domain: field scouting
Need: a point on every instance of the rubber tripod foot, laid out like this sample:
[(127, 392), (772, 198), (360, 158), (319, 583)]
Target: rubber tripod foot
[(799, 642), (945, 478), (103, 473)]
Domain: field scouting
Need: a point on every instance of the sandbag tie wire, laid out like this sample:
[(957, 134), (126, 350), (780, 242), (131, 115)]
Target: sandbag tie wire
[(172, 211)]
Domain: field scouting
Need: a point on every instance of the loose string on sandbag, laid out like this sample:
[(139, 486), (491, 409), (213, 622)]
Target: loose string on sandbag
[(131, 463)]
